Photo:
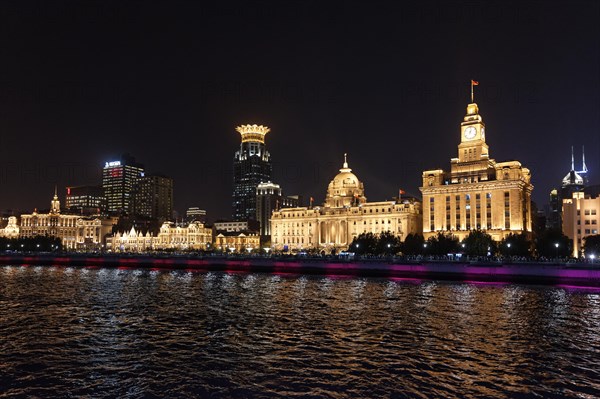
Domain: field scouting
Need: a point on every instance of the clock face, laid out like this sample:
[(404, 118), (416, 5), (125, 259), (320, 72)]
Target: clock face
[(470, 132)]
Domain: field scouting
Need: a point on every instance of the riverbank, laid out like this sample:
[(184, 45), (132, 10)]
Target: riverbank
[(587, 275)]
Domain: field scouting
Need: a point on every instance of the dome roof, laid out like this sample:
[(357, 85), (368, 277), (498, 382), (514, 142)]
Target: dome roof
[(345, 189)]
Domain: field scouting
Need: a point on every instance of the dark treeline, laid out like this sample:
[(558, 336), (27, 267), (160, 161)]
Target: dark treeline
[(31, 244), (549, 244)]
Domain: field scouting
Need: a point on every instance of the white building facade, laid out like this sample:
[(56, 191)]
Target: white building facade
[(344, 215)]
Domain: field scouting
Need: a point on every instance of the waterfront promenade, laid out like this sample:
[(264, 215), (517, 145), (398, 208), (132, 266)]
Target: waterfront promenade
[(562, 273)]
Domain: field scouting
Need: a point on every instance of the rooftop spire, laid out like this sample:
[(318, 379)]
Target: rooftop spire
[(345, 168), (572, 159), (584, 168)]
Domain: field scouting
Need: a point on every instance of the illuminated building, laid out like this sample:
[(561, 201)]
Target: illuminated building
[(195, 214), (478, 192), (268, 199), (574, 181), (581, 218), (131, 241), (154, 197), (86, 200), (11, 230), (237, 241), (193, 236), (344, 215), (74, 231), (92, 231), (119, 180), (251, 166), (235, 226)]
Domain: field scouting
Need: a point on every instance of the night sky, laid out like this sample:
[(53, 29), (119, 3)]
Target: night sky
[(388, 83)]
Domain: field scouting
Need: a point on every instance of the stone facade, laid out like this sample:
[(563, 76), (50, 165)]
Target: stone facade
[(344, 215), (193, 236), (74, 231), (478, 192), (581, 218), (11, 230), (237, 242)]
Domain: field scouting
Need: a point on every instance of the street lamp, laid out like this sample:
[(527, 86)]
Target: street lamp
[(556, 245), (508, 245)]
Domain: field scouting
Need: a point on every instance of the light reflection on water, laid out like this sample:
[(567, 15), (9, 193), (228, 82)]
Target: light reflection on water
[(107, 333)]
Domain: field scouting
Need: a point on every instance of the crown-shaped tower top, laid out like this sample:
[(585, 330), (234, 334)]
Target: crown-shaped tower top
[(253, 133)]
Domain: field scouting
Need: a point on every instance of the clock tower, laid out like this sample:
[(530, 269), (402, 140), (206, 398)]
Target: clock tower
[(472, 145), (477, 193)]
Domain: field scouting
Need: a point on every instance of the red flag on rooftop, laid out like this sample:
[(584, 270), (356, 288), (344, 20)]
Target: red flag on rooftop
[(474, 83)]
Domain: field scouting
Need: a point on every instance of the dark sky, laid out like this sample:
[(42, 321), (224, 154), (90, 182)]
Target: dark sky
[(82, 82)]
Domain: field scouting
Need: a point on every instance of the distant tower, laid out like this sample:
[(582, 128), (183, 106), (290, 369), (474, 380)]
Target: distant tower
[(119, 182), (251, 166), (573, 181)]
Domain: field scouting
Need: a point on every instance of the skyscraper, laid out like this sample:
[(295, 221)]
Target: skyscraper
[(574, 181), (154, 197), (251, 166), (119, 180)]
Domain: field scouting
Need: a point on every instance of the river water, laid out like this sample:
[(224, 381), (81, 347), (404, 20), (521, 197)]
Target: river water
[(106, 333)]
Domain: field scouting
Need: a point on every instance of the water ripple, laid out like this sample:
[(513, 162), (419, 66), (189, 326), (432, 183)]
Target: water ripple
[(106, 333)]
